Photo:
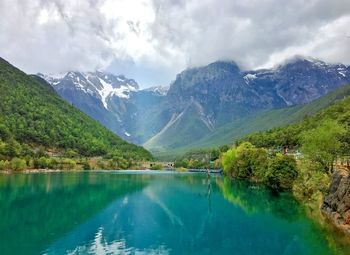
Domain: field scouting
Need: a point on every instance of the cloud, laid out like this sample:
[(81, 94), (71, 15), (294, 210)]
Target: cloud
[(152, 40)]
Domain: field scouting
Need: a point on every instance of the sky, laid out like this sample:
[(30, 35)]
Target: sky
[(153, 40)]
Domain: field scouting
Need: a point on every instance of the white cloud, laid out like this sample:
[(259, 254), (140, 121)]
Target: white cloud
[(158, 38)]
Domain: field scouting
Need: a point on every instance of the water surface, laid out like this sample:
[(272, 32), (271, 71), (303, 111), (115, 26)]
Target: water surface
[(152, 213)]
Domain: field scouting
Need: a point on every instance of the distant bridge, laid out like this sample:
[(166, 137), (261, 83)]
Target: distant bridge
[(150, 164)]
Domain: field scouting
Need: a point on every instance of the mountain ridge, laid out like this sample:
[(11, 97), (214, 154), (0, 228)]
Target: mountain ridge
[(202, 99)]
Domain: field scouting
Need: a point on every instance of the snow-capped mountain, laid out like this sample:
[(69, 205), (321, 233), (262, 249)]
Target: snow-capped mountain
[(199, 101), (98, 84), (114, 100), (300, 79)]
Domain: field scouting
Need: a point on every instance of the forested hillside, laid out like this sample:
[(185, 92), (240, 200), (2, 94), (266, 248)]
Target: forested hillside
[(330, 118), (299, 157), (34, 118), (261, 121)]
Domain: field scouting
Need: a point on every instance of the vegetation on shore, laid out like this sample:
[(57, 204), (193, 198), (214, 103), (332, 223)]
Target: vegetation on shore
[(317, 142), (246, 161), (38, 129), (201, 158)]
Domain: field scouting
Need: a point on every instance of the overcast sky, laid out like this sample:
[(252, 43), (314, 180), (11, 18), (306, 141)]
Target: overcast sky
[(152, 40)]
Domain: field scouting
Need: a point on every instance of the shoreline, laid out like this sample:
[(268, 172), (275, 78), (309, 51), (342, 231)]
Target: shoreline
[(30, 171)]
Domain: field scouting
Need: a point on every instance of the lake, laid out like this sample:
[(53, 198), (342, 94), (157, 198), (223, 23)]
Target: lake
[(138, 212)]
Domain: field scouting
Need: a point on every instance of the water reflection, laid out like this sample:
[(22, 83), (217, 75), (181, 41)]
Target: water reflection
[(108, 213), (255, 198)]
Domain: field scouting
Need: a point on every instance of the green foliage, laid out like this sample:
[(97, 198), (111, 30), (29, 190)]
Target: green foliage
[(33, 116), (311, 182), (295, 135), (198, 158), (4, 164), (156, 167), (228, 160), (18, 164), (281, 172), (246, 161), (181, 163), (322, 144), (12, 148), (322, 139), (71, 153), (68, 164), (86, 165), (42, 163)]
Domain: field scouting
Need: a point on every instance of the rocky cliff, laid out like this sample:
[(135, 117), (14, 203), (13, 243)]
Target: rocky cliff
[(336, 205)]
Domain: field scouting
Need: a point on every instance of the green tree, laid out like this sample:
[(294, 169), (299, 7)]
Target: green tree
[(18, 164), (322, 144), (4, 164), (12, 148), (281, 172), (42, 163), (69, 164), (228, 160), (236, 162)]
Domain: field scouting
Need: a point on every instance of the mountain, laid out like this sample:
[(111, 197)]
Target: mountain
[(260, 121), (202, 101), (113, 100), (33, 115)]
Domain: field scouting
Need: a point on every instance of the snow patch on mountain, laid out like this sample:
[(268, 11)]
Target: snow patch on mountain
[(105, 91), (342, 73), (161, 90), (109, 90), (249, 77)]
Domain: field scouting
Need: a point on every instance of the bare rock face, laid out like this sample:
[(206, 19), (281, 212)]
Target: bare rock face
[(336, 205)]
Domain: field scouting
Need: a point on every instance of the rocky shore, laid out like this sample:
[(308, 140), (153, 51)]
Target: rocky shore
[(336, 205)]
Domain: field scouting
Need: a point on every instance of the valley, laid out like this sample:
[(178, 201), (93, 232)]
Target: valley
[(175, 127)]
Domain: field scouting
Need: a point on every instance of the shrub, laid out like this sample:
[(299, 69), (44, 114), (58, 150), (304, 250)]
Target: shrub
[(41, 163), (156, 167), (86, 165), (123, 163), (311, 182), (69, 164), (281, 172), (245, 161), (181, 163), (52, 163), (4, 165), (18, 164)]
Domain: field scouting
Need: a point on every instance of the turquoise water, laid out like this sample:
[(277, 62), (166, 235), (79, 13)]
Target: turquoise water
[(152, 213)]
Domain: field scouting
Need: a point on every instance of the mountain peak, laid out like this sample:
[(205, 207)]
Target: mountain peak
[(98, 83), (303, 60), (224, 63)]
